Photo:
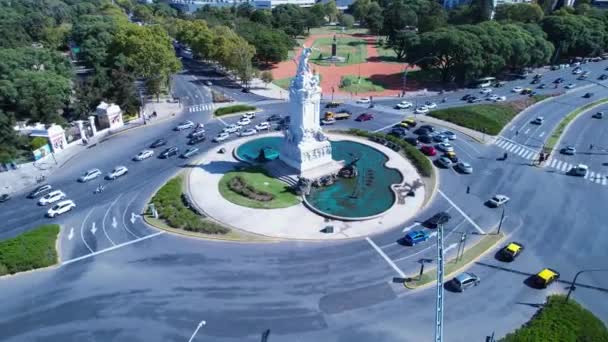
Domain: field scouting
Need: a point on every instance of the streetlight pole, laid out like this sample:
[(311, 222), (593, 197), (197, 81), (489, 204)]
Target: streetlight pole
[(573, 284), (405, 71), (501, 218)]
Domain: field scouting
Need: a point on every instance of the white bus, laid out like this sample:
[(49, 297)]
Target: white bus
[(484, 82)]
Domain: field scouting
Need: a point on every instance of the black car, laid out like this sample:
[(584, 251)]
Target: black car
[(535, 81), (196, 140), (603, 77), (159, 143), (425, 139), (399, 133), (428, 127), (588, 95), (438, 219), (171, 151), (411, 140), (559, 80), (332, 105), (41, 190), (245, 90), (422, 131), (542, 86), (466, 97), (274, 117), (4, 197)]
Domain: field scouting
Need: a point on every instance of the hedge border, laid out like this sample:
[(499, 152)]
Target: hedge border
[(234, 109)]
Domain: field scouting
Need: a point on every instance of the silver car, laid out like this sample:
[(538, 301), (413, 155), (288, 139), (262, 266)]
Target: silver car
[(568, 150), (465, 280), (89, 175), (444, 162), (464, 167)]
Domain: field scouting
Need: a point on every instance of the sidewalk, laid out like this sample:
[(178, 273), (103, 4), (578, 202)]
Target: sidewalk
[(269, 90)]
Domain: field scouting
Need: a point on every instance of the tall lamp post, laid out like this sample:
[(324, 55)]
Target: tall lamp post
[(405, 71), (573, 284)]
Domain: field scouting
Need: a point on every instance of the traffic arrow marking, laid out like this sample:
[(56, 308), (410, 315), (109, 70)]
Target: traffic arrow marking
[(114, 223), (134, 217), (93, 228), (71, 235)]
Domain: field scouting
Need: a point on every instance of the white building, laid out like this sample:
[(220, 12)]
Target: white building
[(193, 5), (449, 4), (269, 4)]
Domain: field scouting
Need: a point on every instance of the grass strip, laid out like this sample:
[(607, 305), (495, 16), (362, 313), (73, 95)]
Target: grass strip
[(453, 265), (234, 109), (30, 250), (355, 84), (561, 127)]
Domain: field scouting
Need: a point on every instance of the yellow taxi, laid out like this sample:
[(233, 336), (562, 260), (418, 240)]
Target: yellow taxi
[(511, 251), (409, 122), (545, 277), (452, 156)]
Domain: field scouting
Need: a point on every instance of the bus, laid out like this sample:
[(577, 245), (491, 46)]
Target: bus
[(484, 82)]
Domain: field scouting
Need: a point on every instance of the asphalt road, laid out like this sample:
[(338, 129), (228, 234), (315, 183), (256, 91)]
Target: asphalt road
[(143, 285)]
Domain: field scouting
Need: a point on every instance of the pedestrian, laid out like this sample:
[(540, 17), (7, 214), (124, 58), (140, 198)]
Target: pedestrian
[(591, 146), (517, 133), (468, 189)]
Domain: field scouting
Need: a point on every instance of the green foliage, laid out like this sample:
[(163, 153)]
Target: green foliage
[(38, 142), (576, 35), (346, 20), (266, 76), (170, 206), (271, 46), (418, 159), (234, 109), (559, 320), (522, 12), (354, 50), (30, 250), (355, 84), (290, 18)]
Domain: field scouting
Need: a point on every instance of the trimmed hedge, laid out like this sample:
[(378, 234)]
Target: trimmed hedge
[(420, 161), (30, 250), (171, 208), (234, 109), (559, 320)]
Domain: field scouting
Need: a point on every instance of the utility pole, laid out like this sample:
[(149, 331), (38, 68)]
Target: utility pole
[(502, 216), (439, 299), (461, 246), (573, 284)]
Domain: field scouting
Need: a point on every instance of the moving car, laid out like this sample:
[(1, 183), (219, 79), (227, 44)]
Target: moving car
[(558, 80), (41, 190), (422, 110), (196, 133), (184, 125), (511, 251), (51, 197), (466, 97), (364, 117), (517, 89), (415, 237), (342, 115), (61, 208), (333, 104), (248, 115), (89, 175), (598, 115), (465, 168), (430, 105), (449, 134), (244, 122), (438, 219), (274, 117), (577, 71), (247, 132), (588, 95), (410, 122), (404, 105), (158, 143), (4, 198), (428, 150), (539, 120), (221, 137), (208, 83), (579, 170), (171, 151), (545, 277), (603, 77), (444, 162), (451, 156), (428, 127), (197, 140), (262, 126), (486, 91), (330, 121), (474, 99), (541, 86), (117, 172), (145, 154), (465, 280), (568, 150), (498, 200), (570, 86), (364, 100), (189, 152), (231, 129), (445, 147)]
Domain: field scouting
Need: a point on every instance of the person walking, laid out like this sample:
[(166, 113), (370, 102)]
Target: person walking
[(591, 147), (468, 189)]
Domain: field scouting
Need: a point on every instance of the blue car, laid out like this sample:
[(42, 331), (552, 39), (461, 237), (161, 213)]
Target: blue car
[(415, 237)]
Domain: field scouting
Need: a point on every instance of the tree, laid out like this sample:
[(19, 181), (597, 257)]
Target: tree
[(271, 45), (346, 20), (143, 13), (266, 77), (263, 17), (522, 12), (398, 17), (290, 18), (374, 19), (331, 10), (360, 9), (315, 16), (402, 41), (42, 96), (575, 35), (245, 10), (9, 139)]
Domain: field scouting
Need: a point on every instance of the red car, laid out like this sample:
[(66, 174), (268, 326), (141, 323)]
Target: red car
[(364, 117), (428, 150)]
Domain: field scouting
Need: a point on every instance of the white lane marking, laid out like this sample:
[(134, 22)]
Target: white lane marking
[(385, 257), (198, 327), (408, 228), (427, 248), (604, 181), (93, 228), (82, 229), (500, 143), (527, 155), (71, 235), (461, 212), (558, 165), (432, 235), (592, 175), (565, 167), (134, 217), (517, 149), (111, 248), (385, 127), (553, 163), (452, 246), (507, 146), (222, 121), (123, 218), (512, 148), (469, 146), (587, 176), (541, 134), (598, 180), (526, 132), (103, 221)]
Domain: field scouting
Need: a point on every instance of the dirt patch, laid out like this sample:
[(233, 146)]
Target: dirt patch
[(240, 186)]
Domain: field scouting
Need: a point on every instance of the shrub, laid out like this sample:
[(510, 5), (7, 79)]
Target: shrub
[(38, 142), (30, 250), (233, 109), (170, 206)]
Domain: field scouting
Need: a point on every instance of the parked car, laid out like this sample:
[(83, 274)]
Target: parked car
[(517, 89), (208, 83), (189, 152), (410, 122), (274, 117), (196, 133), (598, 115), (511, 251), (416, 237), (568, 150), (430, 105), (118, 171), (221, 137), (570, 86), (465, 168), (89, 175), (466, 97), (231, 129), (603, 77), (411, 140), (197, 140), (333, 104), (428, 127), (539, 120), (498, 200), (262, 126), (558, 80), (428, 150), (545, 277), (452, 156), (398, 132), (438, 219), (364, 100), (445, 147), (61, 208), (474, 99), (51, 197), (444, 162), (4, 198), (245, 90), (145, 154), (425, 138), (449, 134), (159, 143), (247, 132), (248, 115), (365, 117), (171, 151), (465, 280), (40, 190), (184, 125), (440, 138), (541, 86), (244, 122)]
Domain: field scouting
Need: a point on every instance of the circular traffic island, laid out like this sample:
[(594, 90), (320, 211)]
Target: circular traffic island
[(252, 187)]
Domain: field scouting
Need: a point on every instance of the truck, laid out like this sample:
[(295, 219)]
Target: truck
[(342, 115)]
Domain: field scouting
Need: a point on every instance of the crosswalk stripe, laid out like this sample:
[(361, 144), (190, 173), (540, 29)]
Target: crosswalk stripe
[(522, 152), (504, 144), (528, 154), (604, 181), (501, 143), (598, 180), (592, 175), (564, 167), (553, 162), (512, 148), (587, 175), (558, 165), (516, 150)]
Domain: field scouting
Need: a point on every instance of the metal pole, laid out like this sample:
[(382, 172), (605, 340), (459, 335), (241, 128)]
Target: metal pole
[(421, 271), (573, 284), (265, 335), (439, 299), (501, 218)]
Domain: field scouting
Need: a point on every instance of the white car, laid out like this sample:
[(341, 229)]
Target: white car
[(145, 154), (184, 125), (465, 168), (244, 122), (577, 71), (570, 86), (498, 200), (501, 99), (430, 105), (538, 121), (404, 105), (262, 126), (568, 150), (89, 175), (248, 132), (117, 172), (493, 98), (517, 89), (248, 115), (231, 129), (221, 137), (328, 121), (449, 134), (51, 197), (364, 100), (486, 90), (422, 110), (445, 147), (208, 83), (580, 170), (61, 208)]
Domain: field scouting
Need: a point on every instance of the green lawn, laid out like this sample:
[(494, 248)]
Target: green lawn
[(561, 127), (353, 49), (233, 109), (336, 30), (559, 320), (354, 84), (30, 250), (487, 118), (259, 180)]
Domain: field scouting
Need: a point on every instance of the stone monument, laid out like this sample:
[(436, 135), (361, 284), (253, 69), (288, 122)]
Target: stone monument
[(334, 46), (306, 148)]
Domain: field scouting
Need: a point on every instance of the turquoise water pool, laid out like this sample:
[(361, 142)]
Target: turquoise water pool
[(368, 194)]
